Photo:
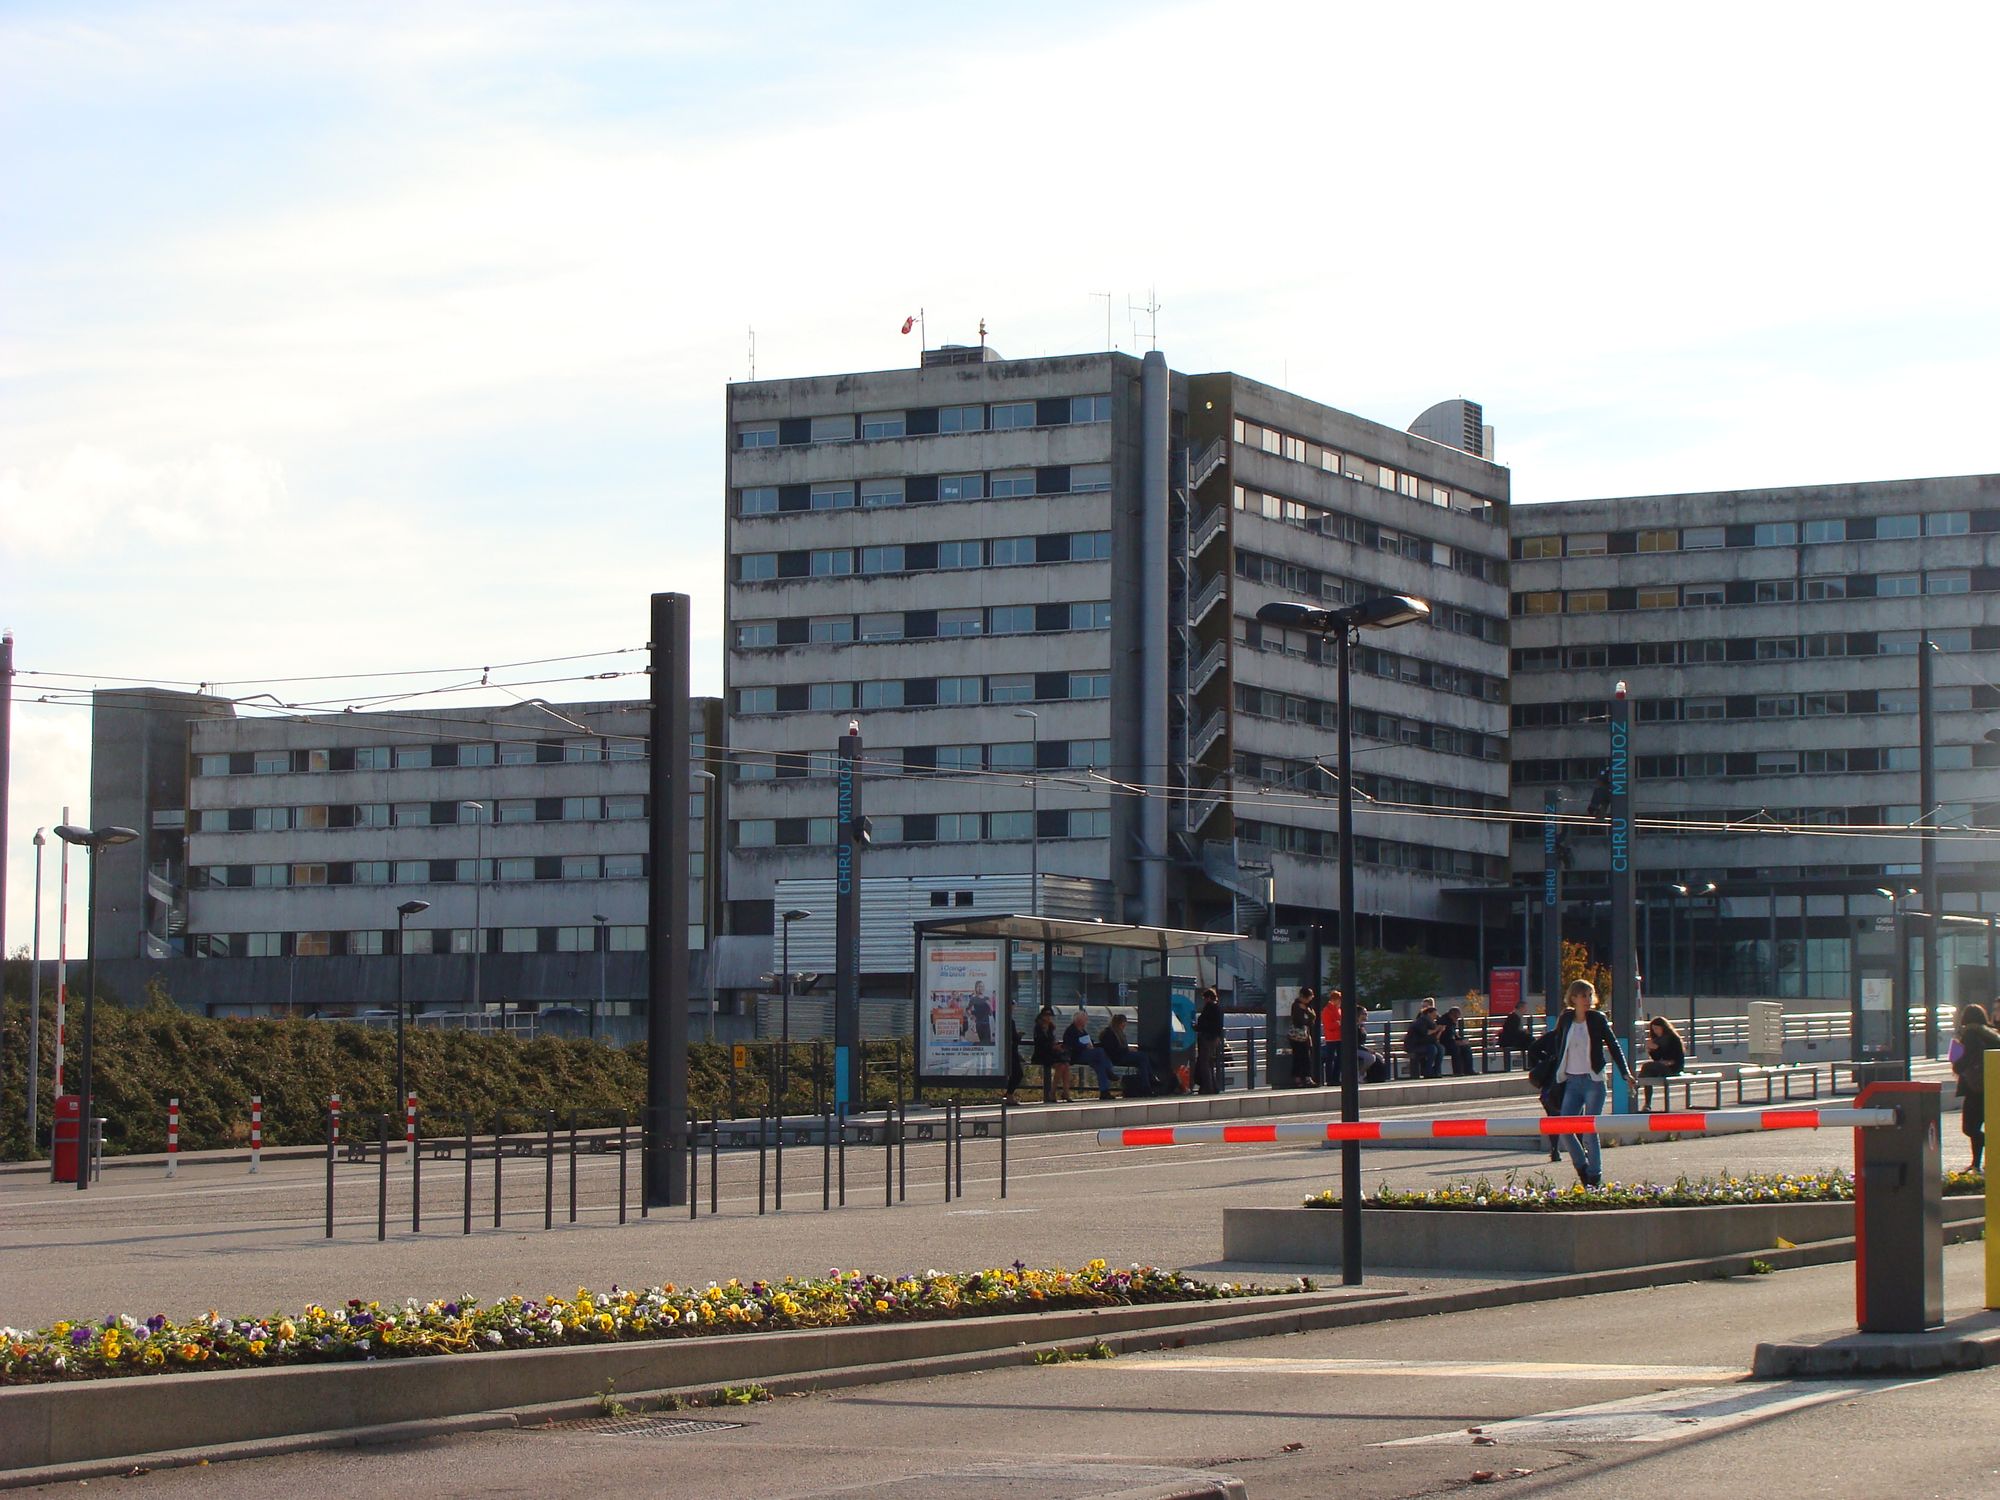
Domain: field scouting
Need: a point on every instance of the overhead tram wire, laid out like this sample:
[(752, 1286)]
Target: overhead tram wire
[(539, 661)]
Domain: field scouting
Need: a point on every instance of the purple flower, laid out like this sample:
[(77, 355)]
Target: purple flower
[(451, 1309), (79, 1336), (155, 1323)]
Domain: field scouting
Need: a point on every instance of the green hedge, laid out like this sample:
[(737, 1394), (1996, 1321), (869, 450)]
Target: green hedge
[(146, 1056)]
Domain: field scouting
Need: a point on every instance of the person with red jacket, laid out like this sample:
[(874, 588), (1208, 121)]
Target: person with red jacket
[(1330, 1021)]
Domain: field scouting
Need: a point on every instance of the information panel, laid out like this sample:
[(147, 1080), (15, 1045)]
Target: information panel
[(961, 1012)]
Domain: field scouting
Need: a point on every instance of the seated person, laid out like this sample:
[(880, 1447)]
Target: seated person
[(1078, 1049), (1122, 1054), (1665, 1056), (1514, 1037), (1451, 1036), (1421, 1046)]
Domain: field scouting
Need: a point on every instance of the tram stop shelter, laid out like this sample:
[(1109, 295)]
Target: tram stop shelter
[(975, 974)]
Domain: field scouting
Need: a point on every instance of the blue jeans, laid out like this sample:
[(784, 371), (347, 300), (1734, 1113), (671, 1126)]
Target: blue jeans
[(1093, 1057), (1583, 1094), (1329, 1062)]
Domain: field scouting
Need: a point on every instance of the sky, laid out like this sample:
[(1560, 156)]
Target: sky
[(349, 340)]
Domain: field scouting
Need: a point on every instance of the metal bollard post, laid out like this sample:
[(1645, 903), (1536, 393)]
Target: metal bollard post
[(173, 1135), (958, 1145), (256, 1134), (825, 1156), (888, 1156), (1003, 1148), (382, 1183), (549, 1169), (902, 1151), (645, 1137), (841, 1152), (819, 1091), (714, 1163), (761, 1164), (416, 1141), (499, 1155), (624, 1126), (468, 1174), (572, 1166), (778, 1149), (947, 1149), (332, 1134), (694, 1168)]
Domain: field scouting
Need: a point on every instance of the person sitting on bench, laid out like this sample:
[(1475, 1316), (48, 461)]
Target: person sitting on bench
[(1514, 1037), (1451, 1036), (1420, 1044), (1122, 1054), (1665, 1056), (1077, 1047)]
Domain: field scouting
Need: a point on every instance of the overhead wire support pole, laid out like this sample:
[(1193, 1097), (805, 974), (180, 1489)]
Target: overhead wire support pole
[(663, 1178)]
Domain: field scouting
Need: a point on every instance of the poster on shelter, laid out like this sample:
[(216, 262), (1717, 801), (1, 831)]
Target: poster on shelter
[(961, 1026)]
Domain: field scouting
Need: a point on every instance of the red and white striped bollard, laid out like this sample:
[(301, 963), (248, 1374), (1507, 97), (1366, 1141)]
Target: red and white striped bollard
[(256, 1133), (410, 1120), (173, 1134), (333, 1104)]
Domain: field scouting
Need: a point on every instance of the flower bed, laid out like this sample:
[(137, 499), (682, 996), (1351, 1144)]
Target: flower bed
[(1537, 1194), (360, 1331)]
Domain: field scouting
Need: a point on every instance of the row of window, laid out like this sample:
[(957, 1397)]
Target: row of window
[(1368, 535), (314, 817), (1703, 765), (923, 692), (922, 421), (1330, 588), (424, 940), (1023, 756), (425, 871), (1318, 456), (1887, 815), (1393, 854), (1758, 591), (422, 757), (922, 489), (1837, 643), (1756, 534), (1279, 773), (928, 828), (925, 557), (1372, 661), (925, 624), (1268, 703), (1899, 701)]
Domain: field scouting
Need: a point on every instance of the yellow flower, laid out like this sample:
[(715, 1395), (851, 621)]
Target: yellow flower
[(604, 1323), (286, 1330), (154, 1355), (880, 1305), (257, 1347)]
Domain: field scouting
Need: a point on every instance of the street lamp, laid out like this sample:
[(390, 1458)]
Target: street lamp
[(478, 899), (1035, 813), (1379, 613), (603, 948), (1688, 894), (403, 914), (90, 840), (35, 1004), (786, 918)]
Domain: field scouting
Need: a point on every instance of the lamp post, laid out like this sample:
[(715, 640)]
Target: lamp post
[(35, 1004), (403, 914), (1379, 613), (603, 948), (478, 895), (90, 840), (785, 998), (1688, 893), (1035, 812)]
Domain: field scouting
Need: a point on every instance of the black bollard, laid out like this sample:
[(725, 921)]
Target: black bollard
[(572, 1166), (416, 1172), (549, 1170), (329, 1173), (382, 1181), (468, 1174)]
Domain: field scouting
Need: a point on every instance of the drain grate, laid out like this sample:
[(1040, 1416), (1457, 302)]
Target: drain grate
[(652, 1427)]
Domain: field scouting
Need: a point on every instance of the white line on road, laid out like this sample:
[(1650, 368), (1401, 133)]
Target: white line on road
[(1664, 1417), (1440, 1369)]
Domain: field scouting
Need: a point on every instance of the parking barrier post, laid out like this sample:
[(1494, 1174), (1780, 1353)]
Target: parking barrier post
[(762, 1162), (1899, 1213), (468, 1173), (714, 1163), (256, 1134), (173, 1135), (624, 1127), (382, 1178), (572, 1166), (548, 1169), (694, 1168), (333, 1106), (332, 1135), (499, 1154), (416, 1148)]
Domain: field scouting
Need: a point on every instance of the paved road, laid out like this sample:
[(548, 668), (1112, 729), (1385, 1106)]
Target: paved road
[(1636, 1395), (216, 1237)]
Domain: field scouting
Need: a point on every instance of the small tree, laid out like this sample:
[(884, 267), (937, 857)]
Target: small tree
[(1383, 978), (1578, 963)]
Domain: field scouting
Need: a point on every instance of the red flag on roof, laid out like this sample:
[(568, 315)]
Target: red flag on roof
[(908, 324)]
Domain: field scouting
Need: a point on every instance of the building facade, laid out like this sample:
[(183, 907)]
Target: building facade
[(1770, 641), (287, 844), (1032, 586)]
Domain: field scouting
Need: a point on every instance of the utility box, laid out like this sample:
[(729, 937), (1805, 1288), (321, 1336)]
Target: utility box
[(1766, 1032), (1899, 1212)]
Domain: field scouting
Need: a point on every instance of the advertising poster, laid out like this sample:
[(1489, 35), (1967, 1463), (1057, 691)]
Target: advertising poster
[(961, 1022), (1504, 987)]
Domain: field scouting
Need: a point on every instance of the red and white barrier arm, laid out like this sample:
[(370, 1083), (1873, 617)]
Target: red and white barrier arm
[(1686, 1122)]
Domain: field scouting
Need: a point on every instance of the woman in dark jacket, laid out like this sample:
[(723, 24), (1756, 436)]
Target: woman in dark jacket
[(1045, 1050), (1584, 1044), (1665, 1056), (1975, 1039), (1303, 1024)]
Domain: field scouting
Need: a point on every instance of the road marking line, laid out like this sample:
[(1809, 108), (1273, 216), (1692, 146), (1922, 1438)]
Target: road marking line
[(1448, 1369), (1663, 1417)]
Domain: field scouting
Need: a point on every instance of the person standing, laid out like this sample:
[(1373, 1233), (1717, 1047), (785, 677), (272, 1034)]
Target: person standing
[(1330, 1020), (1303, 1029), (1045, 1054), (1208, 1043), (1584, 1045), (1014, 1070), (1976, 1037)]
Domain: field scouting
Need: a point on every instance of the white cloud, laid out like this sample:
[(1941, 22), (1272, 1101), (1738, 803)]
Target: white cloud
[(91, 499)]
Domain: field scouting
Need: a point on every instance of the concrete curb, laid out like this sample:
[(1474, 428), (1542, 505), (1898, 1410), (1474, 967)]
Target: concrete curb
[(1971, 1343)]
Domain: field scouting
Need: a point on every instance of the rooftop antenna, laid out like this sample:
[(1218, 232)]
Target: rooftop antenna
[(753, 354), (1151, 308), (982, 333), (1108, 345)]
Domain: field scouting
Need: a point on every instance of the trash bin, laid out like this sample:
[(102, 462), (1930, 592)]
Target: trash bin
[(65, 1138)]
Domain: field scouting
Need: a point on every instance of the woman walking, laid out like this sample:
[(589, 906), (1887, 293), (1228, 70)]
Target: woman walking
[(1584, 1044), (1975, 1039)]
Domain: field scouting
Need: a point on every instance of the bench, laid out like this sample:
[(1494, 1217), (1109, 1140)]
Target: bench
[(1688, 1080), (1785, 1074)]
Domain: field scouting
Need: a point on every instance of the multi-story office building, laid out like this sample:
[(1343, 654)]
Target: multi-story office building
[(1770, 642), (278, 850), (1032, 583)]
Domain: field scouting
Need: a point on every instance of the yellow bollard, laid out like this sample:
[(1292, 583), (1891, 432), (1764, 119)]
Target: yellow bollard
[(1992, 1061)]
